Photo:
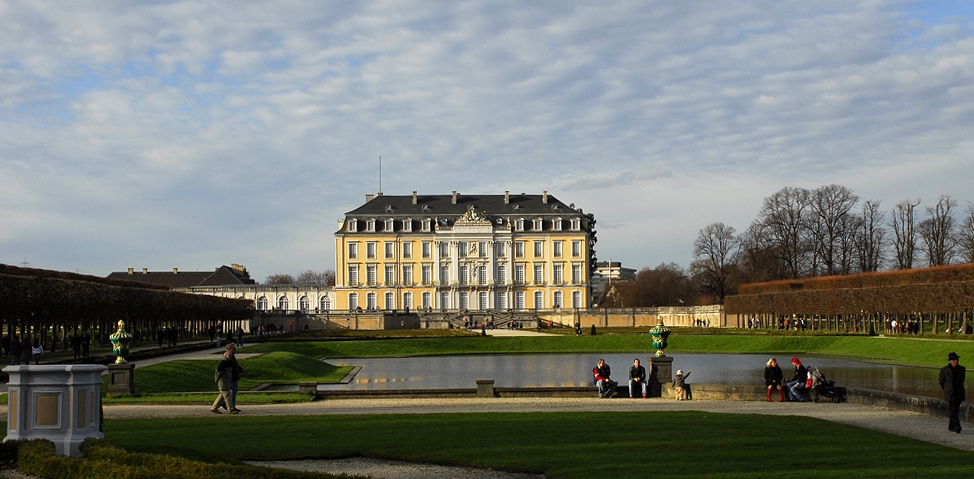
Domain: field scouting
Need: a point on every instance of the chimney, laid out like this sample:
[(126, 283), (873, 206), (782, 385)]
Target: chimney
[(544, 197), (414, 198), (368, 198), (131, 270), (145, 270), (454, 196), (507, 196), (175, 271), (378, 194)]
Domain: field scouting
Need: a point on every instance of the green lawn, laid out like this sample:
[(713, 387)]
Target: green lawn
[(561, 445), (273, 367), (901, 350)]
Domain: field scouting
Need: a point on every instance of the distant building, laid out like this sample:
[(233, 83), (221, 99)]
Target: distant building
[(224, 275), (605, 273), (463, 252)]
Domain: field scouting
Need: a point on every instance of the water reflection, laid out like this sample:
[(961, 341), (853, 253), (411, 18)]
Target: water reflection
[(549, 370)]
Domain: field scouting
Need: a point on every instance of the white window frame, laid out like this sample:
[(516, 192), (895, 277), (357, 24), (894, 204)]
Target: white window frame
[(557, 249), (353, 250), (390, 249), (407, 250)]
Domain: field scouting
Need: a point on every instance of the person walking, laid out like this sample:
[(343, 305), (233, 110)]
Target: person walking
[(37, 350), (16, 349), (952, 382), (773, 377), (224, 382)]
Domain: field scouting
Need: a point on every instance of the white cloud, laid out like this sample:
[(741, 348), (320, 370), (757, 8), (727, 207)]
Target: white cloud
[(167, 133)]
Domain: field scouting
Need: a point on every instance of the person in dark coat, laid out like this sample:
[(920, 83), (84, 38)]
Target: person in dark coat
[(797, 383), (16, 349), (952, 382), (773, 378), (637, 380)]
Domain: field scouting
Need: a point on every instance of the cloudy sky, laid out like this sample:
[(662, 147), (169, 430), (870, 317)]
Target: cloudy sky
[(165, 134)]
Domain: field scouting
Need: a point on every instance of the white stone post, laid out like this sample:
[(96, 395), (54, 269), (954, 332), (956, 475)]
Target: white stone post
[(55, 402)]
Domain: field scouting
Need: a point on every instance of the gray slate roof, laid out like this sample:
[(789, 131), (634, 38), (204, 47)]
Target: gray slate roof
[(442, 205)]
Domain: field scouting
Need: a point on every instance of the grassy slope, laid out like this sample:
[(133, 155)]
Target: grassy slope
[(920, 352), (561, 445)]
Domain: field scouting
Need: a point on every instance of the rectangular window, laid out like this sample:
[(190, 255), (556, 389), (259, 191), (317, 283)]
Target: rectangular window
[(576, 249), (483, 300), (427, 300), (501, 301), (539, 274), (407, 274), (501, 250), (445, 274), (353, 251), (538, 300), (483, 275), (370, 275), (518, 249), (576, 299), (407, 301), (352, 226), (519, 224), (444, 249), (427, 274), (407, 226), (538, 224), (556, 224), (462, 248), (576, 274), (501, 274), (482, 250), (444, 300), (407, 250), (390, 249), (539, 249), (462, 273), (390, 275), (576, 224), (370, 227), (370, 301), (464, 300), (556, 248), (427, 249), (352, 300), (519, 274), (559, 274), (427, 224), (353, 275), (370, 250), (519, 300), (390, 225)]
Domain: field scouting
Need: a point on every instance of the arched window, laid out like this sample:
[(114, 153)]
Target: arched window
[(262, 303), (558, 298), (283, 303), (303, 303), (324, 303), (352, 300)]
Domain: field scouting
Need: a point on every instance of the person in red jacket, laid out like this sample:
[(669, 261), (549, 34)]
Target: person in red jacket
[(606, 386)]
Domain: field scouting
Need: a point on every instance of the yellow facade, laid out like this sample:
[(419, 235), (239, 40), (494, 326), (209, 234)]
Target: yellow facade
[(457, 252)]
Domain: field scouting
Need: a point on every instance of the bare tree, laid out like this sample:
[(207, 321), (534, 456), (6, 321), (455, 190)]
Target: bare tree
[(965, 236), (784, 216), (713, 252), (325, 278), (279, 279), (831, 206), (904, 231), (870, 237), (757, 259), (938, 232)]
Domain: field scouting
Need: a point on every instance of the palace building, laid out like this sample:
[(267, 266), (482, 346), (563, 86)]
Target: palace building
[(463, 252)]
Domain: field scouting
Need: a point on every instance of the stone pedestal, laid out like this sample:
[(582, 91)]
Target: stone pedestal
[(121, 379), (485, 388), (660, 371), (55, 402)]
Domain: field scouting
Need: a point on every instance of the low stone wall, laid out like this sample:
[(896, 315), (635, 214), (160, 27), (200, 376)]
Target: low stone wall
[(706, 392)]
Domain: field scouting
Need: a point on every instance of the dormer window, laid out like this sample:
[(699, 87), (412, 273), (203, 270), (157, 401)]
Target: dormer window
[(390, 225), (519, 224), (352, 225), (427, 224), (556, 224), (576, 224), (407, 225), (370, 226), (537, 224)]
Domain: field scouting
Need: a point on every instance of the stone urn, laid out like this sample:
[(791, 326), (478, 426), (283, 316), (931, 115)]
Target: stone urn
[(660, 332), (120, 343)]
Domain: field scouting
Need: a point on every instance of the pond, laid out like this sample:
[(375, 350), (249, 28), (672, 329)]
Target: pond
[(550, 370)]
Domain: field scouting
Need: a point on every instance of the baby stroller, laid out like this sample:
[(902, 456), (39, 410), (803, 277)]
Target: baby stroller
[(823, 387)]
